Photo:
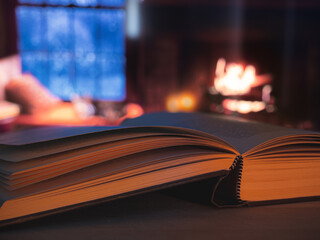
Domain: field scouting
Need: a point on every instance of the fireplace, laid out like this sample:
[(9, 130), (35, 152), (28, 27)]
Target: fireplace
[(237, 88), (277, 41)]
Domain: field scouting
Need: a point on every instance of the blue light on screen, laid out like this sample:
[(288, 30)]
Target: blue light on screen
[(112, 72), (59, 36), (74, 50), (86, 2), (36, 62), (30, 21), (86, 28), (58, 2), (113, 30), (32, 1), (81, 3), (60, 77), (113, 3)]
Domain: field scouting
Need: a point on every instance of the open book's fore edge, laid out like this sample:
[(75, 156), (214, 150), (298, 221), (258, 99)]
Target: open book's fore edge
[(35, 216), (282, 201), (226, 193)]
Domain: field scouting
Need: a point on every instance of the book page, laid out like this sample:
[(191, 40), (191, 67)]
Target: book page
[(49, 146), (42, 134), (33, 143), (150, 159), (241, 134)]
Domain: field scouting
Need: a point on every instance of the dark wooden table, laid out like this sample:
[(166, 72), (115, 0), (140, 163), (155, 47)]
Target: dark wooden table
[(161, 215)]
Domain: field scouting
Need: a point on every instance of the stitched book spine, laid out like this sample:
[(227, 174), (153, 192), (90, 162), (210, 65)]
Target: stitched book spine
[(227, 191)]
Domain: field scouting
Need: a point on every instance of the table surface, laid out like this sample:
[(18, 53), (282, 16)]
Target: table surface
[(162, 215)]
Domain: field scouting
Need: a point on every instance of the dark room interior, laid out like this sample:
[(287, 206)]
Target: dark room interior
[(73, 70), (179, 42)]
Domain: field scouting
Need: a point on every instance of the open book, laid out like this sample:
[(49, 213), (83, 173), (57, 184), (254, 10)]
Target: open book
[(49, 170)]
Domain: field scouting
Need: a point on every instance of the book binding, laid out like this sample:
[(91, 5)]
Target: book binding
[(226, 193)]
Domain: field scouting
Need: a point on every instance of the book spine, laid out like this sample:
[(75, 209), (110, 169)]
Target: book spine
[(227, 191), (238, 161)]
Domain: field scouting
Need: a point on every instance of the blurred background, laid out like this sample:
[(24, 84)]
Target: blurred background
[(96, 62)]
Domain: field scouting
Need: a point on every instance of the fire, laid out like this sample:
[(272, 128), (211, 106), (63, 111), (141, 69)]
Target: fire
[(233, 79), (242, 106)]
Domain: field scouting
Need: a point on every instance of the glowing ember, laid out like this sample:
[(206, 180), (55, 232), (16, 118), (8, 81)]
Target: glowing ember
[(242, 106), (233, 79)]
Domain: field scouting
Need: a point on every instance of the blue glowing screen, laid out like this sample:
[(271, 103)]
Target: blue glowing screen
[(74, 50), (82, 3)]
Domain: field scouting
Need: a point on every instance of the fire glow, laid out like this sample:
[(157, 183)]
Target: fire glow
[(234, 79), (242, 106)]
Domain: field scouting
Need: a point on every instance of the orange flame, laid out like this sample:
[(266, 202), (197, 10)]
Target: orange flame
[(242, 106), (233, 79)]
